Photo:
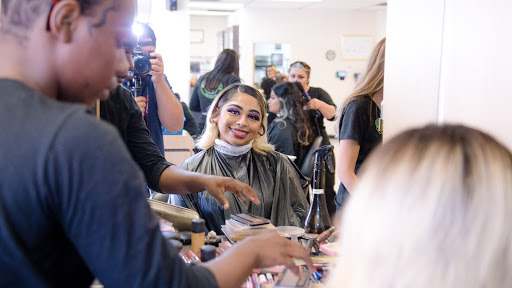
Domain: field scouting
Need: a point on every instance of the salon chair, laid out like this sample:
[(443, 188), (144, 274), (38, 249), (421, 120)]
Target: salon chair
[(178, 148), (308, 164)]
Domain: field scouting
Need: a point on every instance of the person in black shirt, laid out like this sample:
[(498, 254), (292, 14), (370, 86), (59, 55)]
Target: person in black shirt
[(225, 72), (358, 133), (319, 107)]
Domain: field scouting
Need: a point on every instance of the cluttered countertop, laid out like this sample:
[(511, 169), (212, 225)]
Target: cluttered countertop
[(195, 250)]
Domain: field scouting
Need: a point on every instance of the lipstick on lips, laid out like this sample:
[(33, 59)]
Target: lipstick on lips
[(238, 133)]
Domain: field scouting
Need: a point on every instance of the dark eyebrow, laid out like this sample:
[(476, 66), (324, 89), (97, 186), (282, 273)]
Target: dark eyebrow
[(240, 107), (236, 106)]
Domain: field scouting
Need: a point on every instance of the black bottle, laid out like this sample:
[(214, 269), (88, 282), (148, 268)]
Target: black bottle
[(318, 219)]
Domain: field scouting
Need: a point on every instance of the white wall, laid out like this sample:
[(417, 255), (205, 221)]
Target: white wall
[(172, 31), (413, 59), (449, 61), (210, 25), (311, 34), (380, 24), (477, 58)]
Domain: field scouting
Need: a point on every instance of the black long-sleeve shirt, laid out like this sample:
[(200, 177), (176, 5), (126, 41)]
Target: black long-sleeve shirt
[(121, 110)]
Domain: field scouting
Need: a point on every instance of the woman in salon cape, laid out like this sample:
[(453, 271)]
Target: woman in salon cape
[(235, 145)]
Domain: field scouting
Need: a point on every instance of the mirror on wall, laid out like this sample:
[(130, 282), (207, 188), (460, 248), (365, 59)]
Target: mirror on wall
[(267, 54)]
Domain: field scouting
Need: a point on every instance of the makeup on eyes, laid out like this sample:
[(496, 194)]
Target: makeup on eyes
[(255, 116), (235, 109)]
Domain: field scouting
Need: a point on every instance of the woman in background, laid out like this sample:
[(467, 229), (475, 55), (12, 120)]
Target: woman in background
[(275, 75), (225, 72), (432, 209), (320, 106), (235, 145), (266, 85), (357, 129), (289, 132)]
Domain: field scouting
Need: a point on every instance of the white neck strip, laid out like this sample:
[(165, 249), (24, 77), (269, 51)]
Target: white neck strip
[(226, 148)]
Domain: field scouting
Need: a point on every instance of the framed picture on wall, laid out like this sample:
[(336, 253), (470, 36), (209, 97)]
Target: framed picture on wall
[(356, 47), (277, 59)]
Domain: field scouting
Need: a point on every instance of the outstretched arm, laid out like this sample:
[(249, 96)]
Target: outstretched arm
[(267, 250), (179, 181)]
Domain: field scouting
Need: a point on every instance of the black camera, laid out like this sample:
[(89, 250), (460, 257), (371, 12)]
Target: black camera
[(141, 63)]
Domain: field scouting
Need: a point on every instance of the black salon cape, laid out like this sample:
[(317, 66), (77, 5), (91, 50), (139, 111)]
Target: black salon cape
[(283, 135), (274, 178)]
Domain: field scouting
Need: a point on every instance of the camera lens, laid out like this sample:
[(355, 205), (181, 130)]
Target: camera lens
[(141, 65)]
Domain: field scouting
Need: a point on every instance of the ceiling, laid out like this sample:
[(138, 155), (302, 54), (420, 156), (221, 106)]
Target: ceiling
[(233, 5)]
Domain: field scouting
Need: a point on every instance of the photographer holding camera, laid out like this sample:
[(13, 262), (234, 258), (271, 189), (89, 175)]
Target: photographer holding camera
[(156, 100)]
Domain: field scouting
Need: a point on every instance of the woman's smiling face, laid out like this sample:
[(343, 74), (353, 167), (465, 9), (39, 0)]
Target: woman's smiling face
[(239, 120)]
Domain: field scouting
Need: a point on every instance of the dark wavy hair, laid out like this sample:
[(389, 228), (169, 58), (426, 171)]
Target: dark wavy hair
[(291, 107), (225, 66), (267, 84)]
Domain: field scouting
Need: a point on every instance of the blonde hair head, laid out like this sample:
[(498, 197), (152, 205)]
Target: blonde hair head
[(371, 80), (432, 209), (211, 131)]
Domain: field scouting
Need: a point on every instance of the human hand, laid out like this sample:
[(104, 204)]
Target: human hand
[(141, 101), (314, 104), (157, 67), (272, 249), (216, 186)]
